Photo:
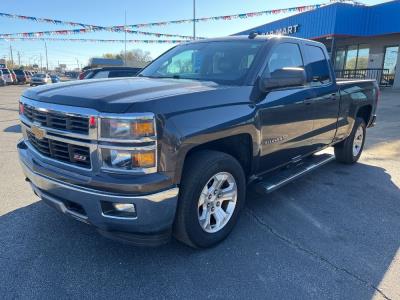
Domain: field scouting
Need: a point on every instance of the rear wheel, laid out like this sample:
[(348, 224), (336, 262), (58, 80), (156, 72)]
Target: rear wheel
[(212, 192), (349, 151)]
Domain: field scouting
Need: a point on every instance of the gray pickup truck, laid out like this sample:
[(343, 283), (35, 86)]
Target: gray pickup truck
[(172, 151)]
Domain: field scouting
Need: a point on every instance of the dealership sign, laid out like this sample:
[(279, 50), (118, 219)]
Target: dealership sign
[(288, 30)]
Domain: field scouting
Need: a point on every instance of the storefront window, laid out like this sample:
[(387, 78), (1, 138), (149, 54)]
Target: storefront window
[(357, 57), (390, 61), (340, 58), (351, 59), (362, 58)]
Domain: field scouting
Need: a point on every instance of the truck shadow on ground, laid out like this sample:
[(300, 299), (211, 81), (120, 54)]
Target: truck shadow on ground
[(331, 234), (13, 129)]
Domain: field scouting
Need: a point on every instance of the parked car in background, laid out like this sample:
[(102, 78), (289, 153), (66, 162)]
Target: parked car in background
[(83, 74), (20, 76), (72, 74), (40, 78), (7, 76), (28, 76), (2, 80), (54, 78), (112, 72), (14, 77)]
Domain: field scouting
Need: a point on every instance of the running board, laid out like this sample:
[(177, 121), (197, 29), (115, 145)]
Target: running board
[(276, 179)]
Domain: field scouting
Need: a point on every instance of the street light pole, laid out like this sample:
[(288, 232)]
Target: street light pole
[(194, 19), (11, 56), (125, 40), (47, 60)]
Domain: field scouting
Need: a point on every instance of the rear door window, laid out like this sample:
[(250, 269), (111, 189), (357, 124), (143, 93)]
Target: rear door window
[(318, 72), (101, 74)]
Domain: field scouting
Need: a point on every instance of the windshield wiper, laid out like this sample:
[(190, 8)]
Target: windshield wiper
[(167, 77)]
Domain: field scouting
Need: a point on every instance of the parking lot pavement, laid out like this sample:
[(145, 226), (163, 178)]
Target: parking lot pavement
[(333, 234)]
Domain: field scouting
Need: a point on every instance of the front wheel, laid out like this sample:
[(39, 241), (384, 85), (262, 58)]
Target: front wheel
[(212, 193), (349, 150)]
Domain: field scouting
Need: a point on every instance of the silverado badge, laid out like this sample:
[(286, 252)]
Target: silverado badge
[(38, 132)]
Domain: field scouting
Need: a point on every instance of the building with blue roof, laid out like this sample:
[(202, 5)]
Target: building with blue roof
[(363, 40)]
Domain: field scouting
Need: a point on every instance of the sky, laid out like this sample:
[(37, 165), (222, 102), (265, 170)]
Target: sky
[(110, 13)]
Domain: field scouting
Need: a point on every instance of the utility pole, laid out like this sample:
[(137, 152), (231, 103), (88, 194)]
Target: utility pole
[(41, 64), (77, 62), (19, 59), (47, 61), (125, 40), (11, 56), (194, 19)]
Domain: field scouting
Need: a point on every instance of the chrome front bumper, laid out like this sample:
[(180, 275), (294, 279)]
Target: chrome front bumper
[(154, 212)]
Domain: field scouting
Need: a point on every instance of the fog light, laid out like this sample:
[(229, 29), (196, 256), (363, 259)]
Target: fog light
[(125, 207), (118, 210)]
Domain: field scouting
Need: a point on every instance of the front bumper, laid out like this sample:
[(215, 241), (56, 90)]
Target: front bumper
[(155, 212)]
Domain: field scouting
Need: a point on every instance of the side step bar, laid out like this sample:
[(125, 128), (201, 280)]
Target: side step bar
[(276, 179)]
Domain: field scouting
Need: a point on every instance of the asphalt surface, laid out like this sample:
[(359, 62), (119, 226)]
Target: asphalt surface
[(334, 234)]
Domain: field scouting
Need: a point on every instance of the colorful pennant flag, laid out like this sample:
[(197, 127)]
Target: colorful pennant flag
[(86, 30), (164, 23), (231, 17), (94, 40)]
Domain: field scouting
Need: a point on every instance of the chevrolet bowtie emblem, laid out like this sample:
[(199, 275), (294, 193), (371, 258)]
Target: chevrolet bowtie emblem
[(38, 132)]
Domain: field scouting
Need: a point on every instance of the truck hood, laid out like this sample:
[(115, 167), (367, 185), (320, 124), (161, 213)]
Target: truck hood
[(116, 95)]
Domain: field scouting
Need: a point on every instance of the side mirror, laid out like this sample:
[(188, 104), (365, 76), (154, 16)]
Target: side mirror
[(285, 77)]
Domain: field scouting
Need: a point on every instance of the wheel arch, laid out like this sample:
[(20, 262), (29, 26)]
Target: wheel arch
[(365, 112), (240, 146)]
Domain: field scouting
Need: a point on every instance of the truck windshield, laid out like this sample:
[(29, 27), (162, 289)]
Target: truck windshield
[(224, 62)]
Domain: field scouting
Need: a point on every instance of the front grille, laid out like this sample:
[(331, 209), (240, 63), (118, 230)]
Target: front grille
[(65, 152), (56, 120)]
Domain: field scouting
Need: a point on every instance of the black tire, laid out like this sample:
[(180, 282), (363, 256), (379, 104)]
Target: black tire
[(344, 150), (199, 168)]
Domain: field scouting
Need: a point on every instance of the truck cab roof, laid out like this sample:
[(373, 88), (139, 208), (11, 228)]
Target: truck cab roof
[(260, 37)]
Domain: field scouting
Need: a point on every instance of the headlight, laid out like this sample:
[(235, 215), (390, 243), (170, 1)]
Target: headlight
[(128, 159), (126, 129)]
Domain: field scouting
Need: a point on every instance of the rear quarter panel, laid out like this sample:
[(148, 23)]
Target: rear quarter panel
[(354, 95)]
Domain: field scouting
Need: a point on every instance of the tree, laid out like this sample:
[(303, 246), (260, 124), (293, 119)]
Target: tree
[(134, 58), (109, 55)]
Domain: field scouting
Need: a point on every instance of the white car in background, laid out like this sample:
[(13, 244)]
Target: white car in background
[(2, 80), (7, 76), (40, 78)]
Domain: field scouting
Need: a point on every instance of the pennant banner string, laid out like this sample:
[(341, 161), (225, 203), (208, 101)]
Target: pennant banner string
[(122, 28), (87, 30), (136, 41), (230, 17)]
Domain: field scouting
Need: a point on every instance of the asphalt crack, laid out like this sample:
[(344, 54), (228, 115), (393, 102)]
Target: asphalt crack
[(309, 252)]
